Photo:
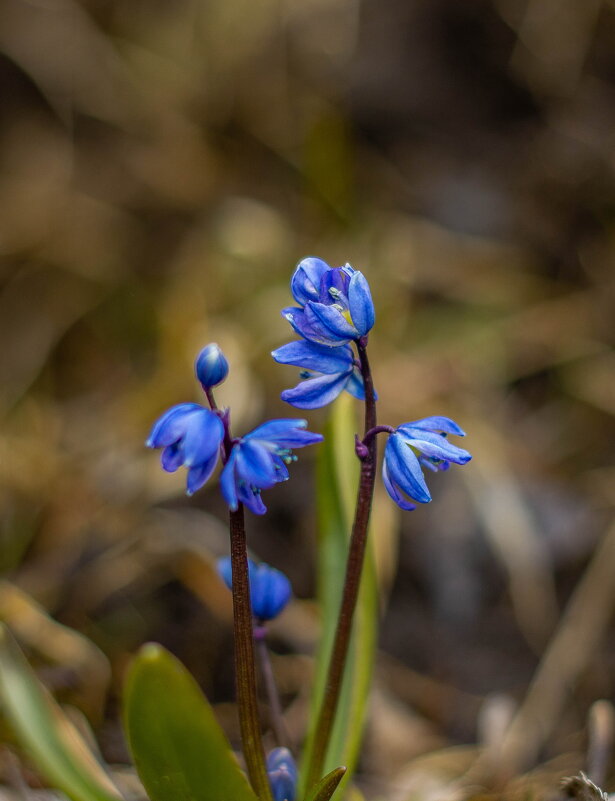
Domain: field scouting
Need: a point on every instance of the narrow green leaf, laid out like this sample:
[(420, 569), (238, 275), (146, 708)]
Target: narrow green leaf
[(337, 480), (326, 786), (179, 749), (56, 747)]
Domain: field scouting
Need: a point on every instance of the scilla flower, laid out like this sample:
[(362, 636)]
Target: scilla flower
[(282, 773), (422, 442), (259, 460), (335, 303), (328, 371), (190, 435), (270, 590)]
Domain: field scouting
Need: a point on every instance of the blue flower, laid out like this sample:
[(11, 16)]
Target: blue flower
[(259, 460), (270, 589), (282, 773), (422, 442), (211, 366), (328, 372), (190, 435), (335, 303)]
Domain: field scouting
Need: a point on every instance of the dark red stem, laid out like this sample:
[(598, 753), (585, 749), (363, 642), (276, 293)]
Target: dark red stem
[(352, 582)]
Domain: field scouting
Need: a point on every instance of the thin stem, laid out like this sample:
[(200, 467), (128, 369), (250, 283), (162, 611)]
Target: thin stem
[(245, 673), (352, 582), (273, 696)]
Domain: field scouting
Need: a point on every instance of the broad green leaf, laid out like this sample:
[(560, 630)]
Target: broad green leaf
[(326, 786), (337, 481), (56, 747), (179, 749)]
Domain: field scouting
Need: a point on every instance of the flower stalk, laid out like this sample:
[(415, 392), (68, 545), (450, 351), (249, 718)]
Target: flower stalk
[(244, 659), (352, 581)]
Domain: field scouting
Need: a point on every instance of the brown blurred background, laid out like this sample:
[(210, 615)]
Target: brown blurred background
[(163, 167)]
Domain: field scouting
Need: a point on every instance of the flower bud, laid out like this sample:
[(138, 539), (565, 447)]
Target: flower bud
[(211, 366), (282, 774), (270, 589)]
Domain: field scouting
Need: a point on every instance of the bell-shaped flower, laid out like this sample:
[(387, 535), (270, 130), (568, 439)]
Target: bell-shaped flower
[(190, 435), (328, 371), (211, 366), (422, 442), (259, 460), (336, 305), (270, 589), (282, 774)]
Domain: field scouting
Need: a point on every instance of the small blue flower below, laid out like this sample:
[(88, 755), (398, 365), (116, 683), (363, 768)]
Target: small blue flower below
[(282, 773), (270, 589), (422, 442), (259, 460), (336, 305), (190, 435), (329, 371)]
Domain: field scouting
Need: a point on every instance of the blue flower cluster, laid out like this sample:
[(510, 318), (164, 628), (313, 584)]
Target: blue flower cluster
[(270, 589), (336, 309), (194, 436)]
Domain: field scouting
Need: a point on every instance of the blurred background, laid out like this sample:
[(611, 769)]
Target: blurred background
[(163, 166)]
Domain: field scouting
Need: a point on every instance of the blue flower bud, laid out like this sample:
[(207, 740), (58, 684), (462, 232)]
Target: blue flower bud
[(282, 773), (270, 589), (211, 366)]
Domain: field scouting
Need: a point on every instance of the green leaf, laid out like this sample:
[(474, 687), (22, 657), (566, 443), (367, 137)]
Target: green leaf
[(179, 749), (326, 786), (56, 747), (337, 481)]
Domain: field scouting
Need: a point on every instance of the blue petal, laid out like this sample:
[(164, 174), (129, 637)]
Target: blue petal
[(282, 473), (316, 392), (172, 457), (394, 492), (251, 499), (435, 446), (311, 329), (228, 485), (285, 432), (404, 469), (438, 424), (332, 321), (225, 571), (200, 473), (281, 758), (360, 304), (270, 591), (336, 279), (169, 427), (204, 433), (305, 282), (321, 358), (355, 385), (254, 465)]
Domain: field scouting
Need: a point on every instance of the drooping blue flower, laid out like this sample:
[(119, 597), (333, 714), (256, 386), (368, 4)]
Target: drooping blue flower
[(422, 442), (282, 773), (328, 371), (211, 366), (259, 460), (270, 589), (336, 305), (190, 435)]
